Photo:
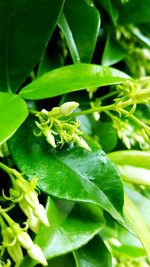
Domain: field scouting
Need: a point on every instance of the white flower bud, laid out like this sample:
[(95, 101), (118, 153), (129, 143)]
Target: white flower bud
[(31, 198), (49, 137), (24, 239), (33, 222), (68, 107), (41, 215), (36, 253), (81, 142), (96, 116), (146, 53), (44, 111), (25, 208), (55, 112)]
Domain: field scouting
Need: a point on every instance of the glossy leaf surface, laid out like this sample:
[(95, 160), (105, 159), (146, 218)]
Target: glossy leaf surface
[(110, 9), (140, 201), (138, 224), (94, 254), (71, 226), (134, 12), (73, 174), (25, 28), (62, 261), (13, 111), (79, 21), (72, 78), (113, 52), (133, 166), (106, 134)]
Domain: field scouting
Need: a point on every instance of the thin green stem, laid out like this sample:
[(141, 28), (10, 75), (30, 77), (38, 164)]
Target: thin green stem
[(136, 120), (107, 96), (92, 110), (115, 107), (112, 116), (33, 111), (6, 168), (7, 217)]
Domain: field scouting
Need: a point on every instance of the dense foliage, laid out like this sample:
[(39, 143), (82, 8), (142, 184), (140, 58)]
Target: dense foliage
[(75, 133)]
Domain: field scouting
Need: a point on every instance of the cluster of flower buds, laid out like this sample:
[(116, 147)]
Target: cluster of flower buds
[(137, 92), (130, 262), (14, 238), (23, 192), (130, 135), (57, 128)]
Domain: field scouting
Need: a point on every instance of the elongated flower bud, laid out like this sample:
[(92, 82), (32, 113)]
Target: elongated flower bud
[(33, 222), (13, 247), (82, 143), (24, 239), (41, 215), (36, 253), (49, 137), (68, 107)]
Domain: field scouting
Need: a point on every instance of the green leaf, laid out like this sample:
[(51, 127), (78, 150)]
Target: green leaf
[(121, 240), (133, 166), (13, 111), (72, 78), (68, 230), (138, 224), (68, 173), (51, 59), (25, 28), (106, 134), (134, 12), (143, 38), (94, 254), (71, 226), (113, 52), (62, 261), (141, 202), (110, 9), (73, 22)]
